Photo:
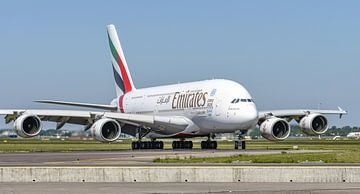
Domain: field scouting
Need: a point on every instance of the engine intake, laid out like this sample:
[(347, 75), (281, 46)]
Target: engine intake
[(275, 129), (314, 124), (27, 125), (106, 130)]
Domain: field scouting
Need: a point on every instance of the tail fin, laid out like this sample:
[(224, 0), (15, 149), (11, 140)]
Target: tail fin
[(123, 80)]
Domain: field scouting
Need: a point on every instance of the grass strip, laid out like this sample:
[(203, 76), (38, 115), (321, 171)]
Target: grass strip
[(327, 157)]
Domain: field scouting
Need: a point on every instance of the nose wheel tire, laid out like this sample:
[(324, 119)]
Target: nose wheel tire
[(240, 145), (141, 145), (182, 145), (209, 145)]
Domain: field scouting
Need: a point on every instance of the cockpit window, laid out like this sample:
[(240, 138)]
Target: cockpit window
[(236, 100)]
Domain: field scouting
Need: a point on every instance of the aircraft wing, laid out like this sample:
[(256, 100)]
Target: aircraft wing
[(161, 124), (86, 105), (298, 113)]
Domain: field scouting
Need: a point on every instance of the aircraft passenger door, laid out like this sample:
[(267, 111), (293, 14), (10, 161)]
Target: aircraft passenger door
[(156, 109), (218, 107)]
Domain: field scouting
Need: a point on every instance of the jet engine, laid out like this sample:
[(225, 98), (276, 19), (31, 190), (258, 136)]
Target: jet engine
[(275, 129), (314, 124), (27, 125), (106, 130)]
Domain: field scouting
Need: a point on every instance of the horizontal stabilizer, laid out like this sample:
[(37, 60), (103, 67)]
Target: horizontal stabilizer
[(85, 105)]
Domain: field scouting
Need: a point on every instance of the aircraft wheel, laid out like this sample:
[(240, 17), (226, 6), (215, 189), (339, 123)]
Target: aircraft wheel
[(189, 145), (203, 144), (136, 145), (182, 145), (147, 145), (208, 145), (240, 144), (159, 145), (133, 145), (243, 145), (174, 145), (213, 145)]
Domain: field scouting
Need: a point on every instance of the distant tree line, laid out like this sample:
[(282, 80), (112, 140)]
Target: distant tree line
[(53, 132)]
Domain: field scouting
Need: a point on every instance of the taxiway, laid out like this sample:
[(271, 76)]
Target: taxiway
[(122, 158)]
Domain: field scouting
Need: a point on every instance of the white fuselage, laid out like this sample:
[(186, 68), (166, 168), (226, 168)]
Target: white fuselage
[(212, 106)]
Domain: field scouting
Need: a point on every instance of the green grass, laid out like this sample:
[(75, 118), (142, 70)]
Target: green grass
[(328, 157), (36, 145), (346, 151), (305, 144)]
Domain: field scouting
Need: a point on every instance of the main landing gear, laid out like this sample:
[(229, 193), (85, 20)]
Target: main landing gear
[(212, 145), (140, 145), (182, 145), (137, 145)]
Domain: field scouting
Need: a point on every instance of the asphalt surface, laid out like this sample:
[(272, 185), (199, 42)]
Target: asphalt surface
[(145, 158), (109, 188), (127, 157)]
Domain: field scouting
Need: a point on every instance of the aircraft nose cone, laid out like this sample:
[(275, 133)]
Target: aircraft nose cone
[(251, 116)]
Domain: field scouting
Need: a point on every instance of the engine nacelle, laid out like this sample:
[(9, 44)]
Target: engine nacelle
[(314, 124), (275, 129), (106, 130), (27, 125)]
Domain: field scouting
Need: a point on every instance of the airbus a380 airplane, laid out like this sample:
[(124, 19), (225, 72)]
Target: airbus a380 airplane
[(184, 110)]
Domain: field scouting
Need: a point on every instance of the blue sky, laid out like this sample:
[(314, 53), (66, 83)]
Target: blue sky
[(288, 54)]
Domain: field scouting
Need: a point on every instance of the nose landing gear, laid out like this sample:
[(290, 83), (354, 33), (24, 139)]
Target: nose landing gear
[(240, 143)]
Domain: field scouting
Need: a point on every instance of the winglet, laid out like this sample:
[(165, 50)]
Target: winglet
[(341, 110)]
